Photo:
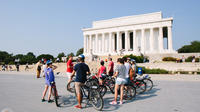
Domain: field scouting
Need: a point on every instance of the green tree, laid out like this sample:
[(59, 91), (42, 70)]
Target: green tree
[(60, 55), (6, 58), (80, 51), (30, 58), (70, 54), (45, 56), (194, 47)]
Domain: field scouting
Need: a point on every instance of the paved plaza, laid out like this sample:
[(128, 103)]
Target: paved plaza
[(21, 92)]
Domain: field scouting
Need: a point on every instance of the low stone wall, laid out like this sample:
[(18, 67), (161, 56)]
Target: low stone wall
[(158, 57), (94, 65), (171, 66)]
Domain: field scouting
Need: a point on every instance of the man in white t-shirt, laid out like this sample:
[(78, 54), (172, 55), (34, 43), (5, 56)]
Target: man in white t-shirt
[(128, 66)]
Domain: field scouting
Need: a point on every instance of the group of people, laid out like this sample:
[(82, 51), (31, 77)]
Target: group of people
[(123, 71), (9, 67)]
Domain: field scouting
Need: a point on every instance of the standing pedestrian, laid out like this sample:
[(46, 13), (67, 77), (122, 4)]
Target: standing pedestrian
[(38, 67), (120, 73), (110, 67), (49, 81), (69, 67), (82, 70), (128, 67)]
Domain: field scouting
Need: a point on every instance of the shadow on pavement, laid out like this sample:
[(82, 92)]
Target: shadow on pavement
[(67, 101), (149, 94), (145, 95)]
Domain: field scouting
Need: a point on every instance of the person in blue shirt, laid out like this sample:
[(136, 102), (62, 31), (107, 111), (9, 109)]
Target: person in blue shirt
[(82, 70), (49, 80)]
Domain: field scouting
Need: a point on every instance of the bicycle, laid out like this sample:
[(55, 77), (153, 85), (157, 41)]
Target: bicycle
[(92, 96), (108, 82), (90, 81), (149, 82), (139, 84)]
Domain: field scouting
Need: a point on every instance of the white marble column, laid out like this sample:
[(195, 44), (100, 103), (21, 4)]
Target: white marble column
[(85, 44), (118, 41), (103, 43), (160, 39), (90, 44), (151, 40), (110, 42), (126, 40), (96, 39), (169, 29), (142, 41), (134, 41), (87, 39)]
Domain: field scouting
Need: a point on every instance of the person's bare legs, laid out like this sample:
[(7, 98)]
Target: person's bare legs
[(116, 92), (121, 93), (78, 95), (45, 91), (79, 98), (50, 91)]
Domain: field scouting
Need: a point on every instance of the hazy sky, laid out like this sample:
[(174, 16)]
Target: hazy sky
[(54, 26)]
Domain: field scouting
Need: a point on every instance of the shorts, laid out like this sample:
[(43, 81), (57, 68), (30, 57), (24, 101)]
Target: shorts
[(120, 81), (69, 75), (78, 87), (127, 80), (48, 83)]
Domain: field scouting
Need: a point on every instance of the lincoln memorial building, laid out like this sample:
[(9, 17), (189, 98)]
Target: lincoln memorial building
[(146, 34)]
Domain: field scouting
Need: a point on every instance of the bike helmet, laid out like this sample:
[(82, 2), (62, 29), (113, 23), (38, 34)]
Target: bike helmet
[(49, 62), (81, 56), (132, 60)]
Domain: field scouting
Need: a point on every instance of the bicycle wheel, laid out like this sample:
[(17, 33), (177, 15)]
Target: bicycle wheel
[(92, 82), (102, 90), (111, 85), (129, 92), (71, 87), (140, 86), (55, 97), (96, 100), (149, 84)]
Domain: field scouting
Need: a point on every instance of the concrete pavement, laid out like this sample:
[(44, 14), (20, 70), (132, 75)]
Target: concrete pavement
[(22, 93)]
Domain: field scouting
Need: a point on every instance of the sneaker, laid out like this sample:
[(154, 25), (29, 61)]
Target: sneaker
[(43, 100), (50, 101), (120, 102), (113, 103), (77, 106)]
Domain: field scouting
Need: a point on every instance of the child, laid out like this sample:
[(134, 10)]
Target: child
[(49, 80)]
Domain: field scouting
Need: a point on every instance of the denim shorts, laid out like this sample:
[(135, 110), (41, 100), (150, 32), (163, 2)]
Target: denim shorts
[(120, 81)]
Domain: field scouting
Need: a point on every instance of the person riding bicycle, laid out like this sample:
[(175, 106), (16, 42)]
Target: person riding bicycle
[(82, 70), (49, 81), (102, 72)]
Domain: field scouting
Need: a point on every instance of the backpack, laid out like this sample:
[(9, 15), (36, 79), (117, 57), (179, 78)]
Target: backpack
[(39, 67)]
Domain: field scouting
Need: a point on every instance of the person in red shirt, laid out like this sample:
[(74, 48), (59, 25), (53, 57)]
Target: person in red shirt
[(101, 72), (69, 67), (110, 67)]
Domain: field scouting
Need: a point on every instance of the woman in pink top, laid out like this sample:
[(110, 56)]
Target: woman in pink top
[(101, 72)]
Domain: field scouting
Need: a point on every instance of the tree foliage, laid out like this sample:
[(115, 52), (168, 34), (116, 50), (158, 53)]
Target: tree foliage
[(193, 48), (70, 54), (6, 58), (60, 55), (45, 56), (80, 51)]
